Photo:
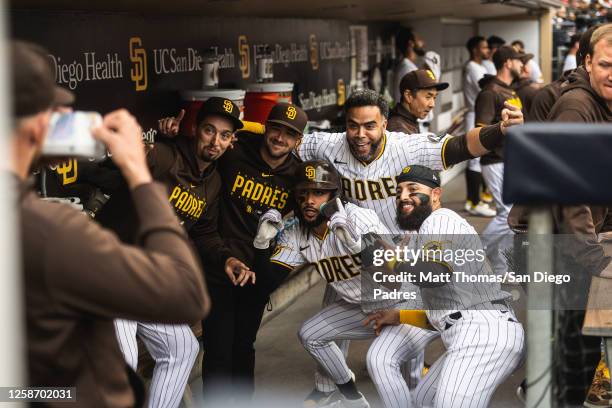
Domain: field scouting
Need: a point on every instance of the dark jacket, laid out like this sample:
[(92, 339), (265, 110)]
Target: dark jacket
[(401, 120), (488, 108), (579, 103), (526, 89), (191, 191), (250, 188), (546, 97), (79, 277)]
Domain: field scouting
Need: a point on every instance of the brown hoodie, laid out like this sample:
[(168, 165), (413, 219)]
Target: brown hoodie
[(546, 97), (488, 108)]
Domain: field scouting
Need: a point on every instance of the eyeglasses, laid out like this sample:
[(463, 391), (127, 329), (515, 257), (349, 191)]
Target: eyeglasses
[(210, 131)]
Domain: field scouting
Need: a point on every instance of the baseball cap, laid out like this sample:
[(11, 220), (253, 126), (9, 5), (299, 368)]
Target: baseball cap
[(223, 107), (32, 80), (421, 79), (419, 174), (289, 115), (506, 52)]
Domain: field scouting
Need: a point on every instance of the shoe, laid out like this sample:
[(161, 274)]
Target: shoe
[(481, 210), (320, 399), (486, 197), (355, 403), (599, 393), (468, 206)]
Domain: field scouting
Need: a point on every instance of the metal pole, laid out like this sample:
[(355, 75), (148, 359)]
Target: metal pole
[(539, 312), (12, 350)]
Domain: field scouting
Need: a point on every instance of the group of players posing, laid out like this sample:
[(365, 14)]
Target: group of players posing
[(234, 192)]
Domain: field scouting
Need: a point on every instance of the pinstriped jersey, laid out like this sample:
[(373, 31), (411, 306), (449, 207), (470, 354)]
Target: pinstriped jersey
[(445, 230), (372, 185), (332, 260)]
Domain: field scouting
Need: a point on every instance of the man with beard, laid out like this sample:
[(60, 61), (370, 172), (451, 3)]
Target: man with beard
[(459, 309), (419, 90), (256, 175), (187, 169), (497, 93), (410, 48), (367, 157), (327, 233)]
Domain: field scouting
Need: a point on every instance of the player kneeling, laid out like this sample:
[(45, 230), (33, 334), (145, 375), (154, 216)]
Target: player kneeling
[(484, 340)]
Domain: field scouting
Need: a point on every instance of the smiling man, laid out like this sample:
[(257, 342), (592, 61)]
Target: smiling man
[(187, 167), (419, 90), (368, 158)]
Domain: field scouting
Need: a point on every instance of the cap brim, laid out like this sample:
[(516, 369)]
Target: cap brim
[(63, 97), (438, 86), (289, 125), (526, 57)]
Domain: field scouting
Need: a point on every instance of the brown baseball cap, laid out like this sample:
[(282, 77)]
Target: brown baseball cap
[(421, 79), (289, 115), (32, 80), (506, 52), (221, 107)]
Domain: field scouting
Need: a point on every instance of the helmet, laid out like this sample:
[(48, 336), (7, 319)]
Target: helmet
[(316, 174)]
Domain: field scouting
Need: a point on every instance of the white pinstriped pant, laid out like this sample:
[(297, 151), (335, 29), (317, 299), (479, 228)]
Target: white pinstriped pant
[(174, 348), (389, 351), (483, 348), (412, 369), (497, 236)]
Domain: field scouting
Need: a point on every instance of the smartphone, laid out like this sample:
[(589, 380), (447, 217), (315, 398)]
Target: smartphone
[(70, 135)]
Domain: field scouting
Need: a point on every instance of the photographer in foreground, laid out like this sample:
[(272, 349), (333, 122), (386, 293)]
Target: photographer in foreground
[(79, 277)]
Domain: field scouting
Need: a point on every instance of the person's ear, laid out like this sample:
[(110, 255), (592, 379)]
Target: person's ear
[(436, 195), (41, 126), (588, 63)]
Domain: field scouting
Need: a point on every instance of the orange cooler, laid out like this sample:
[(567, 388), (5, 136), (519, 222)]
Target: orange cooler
[(260, 98), (195, 98)]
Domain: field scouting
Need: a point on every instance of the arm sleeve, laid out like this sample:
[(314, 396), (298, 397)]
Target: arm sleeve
[(485, 109), (206, 238), (160, 158), (316, 145), (426, 149), (584, 247), (158, 281), (286, 253)]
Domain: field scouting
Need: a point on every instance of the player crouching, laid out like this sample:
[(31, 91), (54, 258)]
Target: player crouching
[(327, 234), (484, 340)]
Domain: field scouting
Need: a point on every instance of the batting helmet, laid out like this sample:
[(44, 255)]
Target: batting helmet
[(316, 174)]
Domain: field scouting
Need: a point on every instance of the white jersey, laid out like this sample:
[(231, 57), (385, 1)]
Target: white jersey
[(334, 262), (372, 185), (444, 229), (472, 73), (490, 66), (405, 66)]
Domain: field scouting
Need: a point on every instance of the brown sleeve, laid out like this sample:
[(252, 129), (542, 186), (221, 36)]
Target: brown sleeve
[(485, 109), (160, 159), (584, 247), (91, 271), (206, 238)]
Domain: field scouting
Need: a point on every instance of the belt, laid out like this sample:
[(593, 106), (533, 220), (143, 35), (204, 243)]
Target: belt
[(458, 315)]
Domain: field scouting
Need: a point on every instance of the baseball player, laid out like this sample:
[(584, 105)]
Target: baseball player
[(367, 157), (187, 168), (484, 340), (473, 72), (327, 234)]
